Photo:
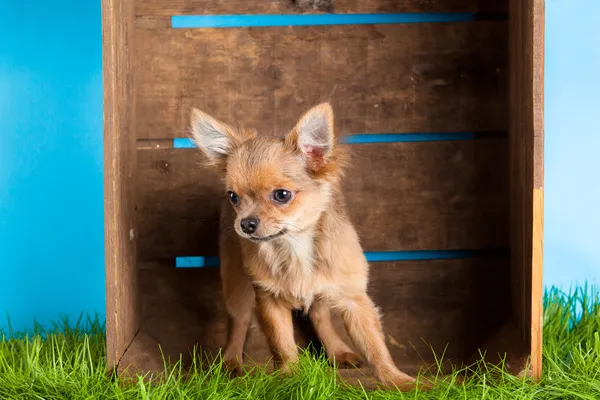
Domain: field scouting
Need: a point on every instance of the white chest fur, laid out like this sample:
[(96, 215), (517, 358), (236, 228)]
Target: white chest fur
[(291, 262), (300, 248)]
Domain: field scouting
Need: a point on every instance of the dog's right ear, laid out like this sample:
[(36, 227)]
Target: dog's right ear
[(214, 138)]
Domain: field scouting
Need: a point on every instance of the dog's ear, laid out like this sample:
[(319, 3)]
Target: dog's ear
[(313, 136), (214, 138)]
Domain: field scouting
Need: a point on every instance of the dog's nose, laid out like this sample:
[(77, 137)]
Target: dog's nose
[(249, 225)]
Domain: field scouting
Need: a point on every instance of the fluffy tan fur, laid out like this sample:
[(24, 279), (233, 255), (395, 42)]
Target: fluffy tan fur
[(303, 254)]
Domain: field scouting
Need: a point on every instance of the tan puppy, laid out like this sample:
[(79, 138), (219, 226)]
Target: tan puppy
[(287, 243)]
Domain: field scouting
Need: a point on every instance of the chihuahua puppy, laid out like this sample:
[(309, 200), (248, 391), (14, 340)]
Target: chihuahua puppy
[(287, 243)]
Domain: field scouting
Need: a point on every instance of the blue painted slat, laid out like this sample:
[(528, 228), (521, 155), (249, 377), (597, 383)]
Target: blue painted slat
[(183, 143), (186, 143), (377, 256), (406, 137), (271, 20), (196, 262)]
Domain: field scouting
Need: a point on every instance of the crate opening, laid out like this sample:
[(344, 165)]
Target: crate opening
[(438, 189)]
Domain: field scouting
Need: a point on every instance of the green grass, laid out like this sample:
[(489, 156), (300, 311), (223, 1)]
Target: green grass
[(65, 363)]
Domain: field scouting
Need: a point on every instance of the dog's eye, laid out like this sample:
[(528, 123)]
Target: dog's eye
[(234, 198), (282, 196)]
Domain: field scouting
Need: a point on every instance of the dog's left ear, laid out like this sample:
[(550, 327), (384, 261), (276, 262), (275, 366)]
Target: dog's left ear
[(214, 138), (313, 136)]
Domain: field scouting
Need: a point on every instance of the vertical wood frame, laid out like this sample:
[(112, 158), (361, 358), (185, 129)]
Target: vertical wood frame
[(122, 299), (526, 137)]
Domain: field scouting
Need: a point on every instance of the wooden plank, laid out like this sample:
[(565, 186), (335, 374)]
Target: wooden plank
[(380, 78), (207, 7), (122, 300), (526, 166), (450, 305), (401, 196), (142, 356), (178, 204)]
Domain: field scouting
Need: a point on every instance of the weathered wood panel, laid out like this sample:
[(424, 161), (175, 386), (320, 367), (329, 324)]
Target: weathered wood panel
[(122, 300), (207, 7), (527, 172), (434, 77), (401, 196), (453, 303)]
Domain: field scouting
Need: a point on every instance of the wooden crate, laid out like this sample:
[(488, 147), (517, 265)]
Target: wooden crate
[(480, 82)]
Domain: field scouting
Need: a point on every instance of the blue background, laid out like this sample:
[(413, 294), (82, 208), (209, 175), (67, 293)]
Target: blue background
[(51, 190), (51, 184)]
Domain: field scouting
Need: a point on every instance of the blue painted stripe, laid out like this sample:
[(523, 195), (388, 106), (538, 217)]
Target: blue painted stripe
[(406, 137), (415, 255), (376, 256), (269, 20), (186, 143), (196, 262), (183, 143)]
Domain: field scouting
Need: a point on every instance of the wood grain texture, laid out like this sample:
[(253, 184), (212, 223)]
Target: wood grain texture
[(380, 78), (505, 349), (178, 7), (142, 356), (526, 165), (400, 196), (178, 204), (537, 283), (122, 300), (439, 303)]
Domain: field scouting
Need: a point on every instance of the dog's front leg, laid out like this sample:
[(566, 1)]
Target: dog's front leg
[(276, 322), (338, 352), (364, 328)]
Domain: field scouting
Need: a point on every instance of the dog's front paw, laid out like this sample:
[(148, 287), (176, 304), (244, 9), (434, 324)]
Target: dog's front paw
[(346, 360), (233, 368), (402, 382)]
